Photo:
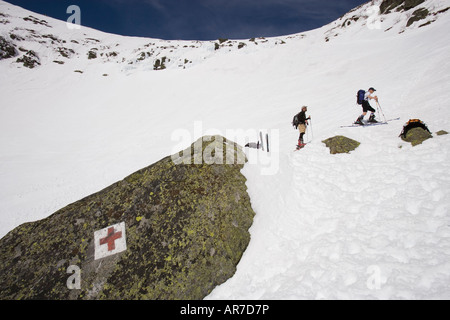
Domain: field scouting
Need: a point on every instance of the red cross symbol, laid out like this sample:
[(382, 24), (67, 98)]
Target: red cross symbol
[(111, 238)]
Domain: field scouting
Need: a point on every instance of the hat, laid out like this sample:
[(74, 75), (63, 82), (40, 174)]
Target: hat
[(372, 89)]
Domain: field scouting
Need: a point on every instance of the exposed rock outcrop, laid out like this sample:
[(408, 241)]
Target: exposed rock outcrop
[(418, 15), (399, 5), (186, 227), (7, 49), (417, 136), (29, 60), (341, 144)]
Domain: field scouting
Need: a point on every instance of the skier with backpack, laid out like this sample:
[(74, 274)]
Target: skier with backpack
[(300, 122), (363, 100)]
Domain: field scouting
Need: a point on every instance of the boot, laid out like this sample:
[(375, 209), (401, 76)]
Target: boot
[(301, 144), (359, 121), (372, 118)]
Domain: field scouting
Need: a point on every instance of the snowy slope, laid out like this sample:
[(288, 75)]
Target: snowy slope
[(372, 224)]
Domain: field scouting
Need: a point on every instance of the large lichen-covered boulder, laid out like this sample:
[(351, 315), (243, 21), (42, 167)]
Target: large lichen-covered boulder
[(185, 227), (417, 136), (341, 144)]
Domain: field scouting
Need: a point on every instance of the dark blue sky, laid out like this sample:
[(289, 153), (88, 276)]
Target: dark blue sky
[(197, 19)]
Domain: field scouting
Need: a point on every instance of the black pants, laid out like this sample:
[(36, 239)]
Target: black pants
[(367, 107)]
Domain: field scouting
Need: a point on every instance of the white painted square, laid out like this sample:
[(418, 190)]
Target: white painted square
[(110, 241)]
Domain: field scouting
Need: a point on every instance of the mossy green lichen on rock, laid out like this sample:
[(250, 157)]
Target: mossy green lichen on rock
[(186, 224), (417, 136), (341, 144), (441, 133)]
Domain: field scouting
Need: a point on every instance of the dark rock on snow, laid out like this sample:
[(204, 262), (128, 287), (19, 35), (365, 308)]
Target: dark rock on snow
[(29, 60), (92, 55), (418, 15), (7, 49), (400, 5)]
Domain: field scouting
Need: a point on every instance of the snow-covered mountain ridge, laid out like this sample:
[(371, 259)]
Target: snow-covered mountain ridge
[(51, 41), (32, 40)]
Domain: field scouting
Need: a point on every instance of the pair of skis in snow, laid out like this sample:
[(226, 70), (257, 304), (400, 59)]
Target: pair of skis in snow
[(369, 124)]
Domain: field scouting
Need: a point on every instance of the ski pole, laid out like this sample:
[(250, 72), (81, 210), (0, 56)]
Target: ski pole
[(381, 109), (307, 135), (378, 110), (311, 128)]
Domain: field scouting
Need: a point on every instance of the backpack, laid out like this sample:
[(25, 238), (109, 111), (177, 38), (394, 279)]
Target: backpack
[(360, 96), (411, 124), (296, 121)]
